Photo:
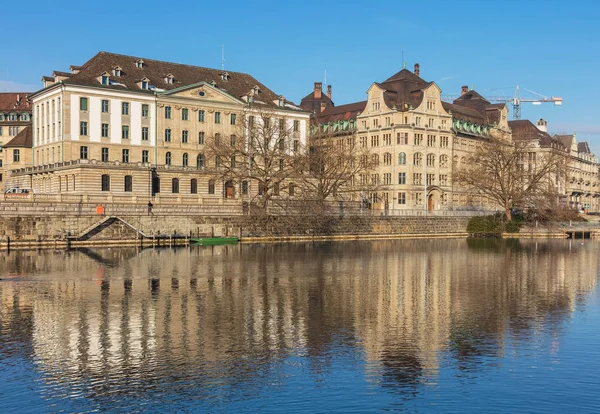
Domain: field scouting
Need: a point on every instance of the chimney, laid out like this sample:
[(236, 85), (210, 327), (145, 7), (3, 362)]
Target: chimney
[(329, 91), (323, 106), (464, 89), (317, 92), (417, 69), (18, 98), (542, 125)]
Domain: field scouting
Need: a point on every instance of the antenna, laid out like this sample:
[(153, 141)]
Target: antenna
[(325, 79), (403, 62), (223, 57)]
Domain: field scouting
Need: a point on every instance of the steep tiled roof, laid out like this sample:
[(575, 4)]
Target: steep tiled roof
[(473, 107), (583, 147), (21, 140), (14, 101), (237, 84), (310, 103), (525, 130), (342, 112), (403, 90), (565, 139)]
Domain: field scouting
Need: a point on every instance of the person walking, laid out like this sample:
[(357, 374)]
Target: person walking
[(150, 207)]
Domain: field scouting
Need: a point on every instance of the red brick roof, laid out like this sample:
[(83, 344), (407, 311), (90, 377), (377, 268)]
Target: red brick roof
[(14, 101), (22, 140)]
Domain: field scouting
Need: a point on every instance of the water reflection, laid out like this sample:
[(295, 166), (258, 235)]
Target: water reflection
[(221, 324)]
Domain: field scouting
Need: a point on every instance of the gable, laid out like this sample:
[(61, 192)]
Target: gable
[(203, 92)]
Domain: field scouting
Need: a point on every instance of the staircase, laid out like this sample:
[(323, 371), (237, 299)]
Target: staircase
[(101, 225)]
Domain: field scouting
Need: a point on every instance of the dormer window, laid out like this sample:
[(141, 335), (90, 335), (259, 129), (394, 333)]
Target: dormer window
[(225, 76), (169, 79), (139, 64), (104, 79), (256, 89), (213, 83), (144, 83), (117, 71)]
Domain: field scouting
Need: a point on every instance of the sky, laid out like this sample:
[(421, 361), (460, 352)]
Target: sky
[(550, 47)]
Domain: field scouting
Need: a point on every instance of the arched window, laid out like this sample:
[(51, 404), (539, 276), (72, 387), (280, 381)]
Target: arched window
[(185, 159), (200, 161), (431, 160), (105, 182), (168, 158), (211, 187), (402, 159), (128, 183), (443, 160), (418, 158), (375, 159), (194, 186), (175, 185)]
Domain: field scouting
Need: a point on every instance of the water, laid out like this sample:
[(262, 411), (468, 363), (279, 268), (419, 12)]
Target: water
[(418, 326)]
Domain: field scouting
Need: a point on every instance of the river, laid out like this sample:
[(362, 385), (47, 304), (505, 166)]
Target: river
[(362, 326)]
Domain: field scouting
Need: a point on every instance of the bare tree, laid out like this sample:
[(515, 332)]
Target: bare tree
[(511, 175), (334, 168), (261, 154)]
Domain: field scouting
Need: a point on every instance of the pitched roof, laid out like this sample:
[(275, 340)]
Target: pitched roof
[(473, 107), (14, 101), (403, 90), (310, 103), (237, 84), (343, 112), (525, 130), (567, 140), (583, 147), (22, 140)]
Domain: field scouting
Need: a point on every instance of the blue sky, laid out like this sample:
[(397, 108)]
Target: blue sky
[(550, 47)]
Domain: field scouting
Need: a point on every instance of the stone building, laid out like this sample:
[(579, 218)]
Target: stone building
[(15, 117), (416, 139), (128, 126)]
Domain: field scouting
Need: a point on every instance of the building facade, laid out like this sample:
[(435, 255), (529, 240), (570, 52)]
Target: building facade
[(124, 125), (15, 118)]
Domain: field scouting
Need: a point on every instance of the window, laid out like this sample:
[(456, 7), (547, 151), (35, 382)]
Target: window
[(402, 158), (145, 156), (363, 142), (83, 152), (125, 132), (184, 137), (104, 105), (402, 138), (168, 158), (244, 187), (387, 159), (418, 158), (200, 161), (296, 145), (296, 126), (401, 198), (117, 71), (125, 108), (128, 183), (430, 122), (167, 112), (104, 131), (83, 104), (375, 159), (281, 144), (14, 130), (16, 155), (185, 159), (418, 139), (443, 179), (261, 188), (200, 138), (276, 189), (431, 160), (217, 117), (402, 178), (104, 154), (292, 189), (375, 140), (145, 133), (104, 79), (217, 161), (387, 178), (125, 155), (281, 164), (194, 186), (175, 185), (167, 135), (443, 161), (211, 186), (145, 110), (144, 84), (417, 179), (232, 119), (217, 139), (201, 115), (444, 142), (431, 140), (83, 128), (430, 179), (105, 182), (184, 114), (387, 139)]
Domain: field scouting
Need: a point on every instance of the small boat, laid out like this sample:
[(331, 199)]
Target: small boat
[(213, 241)]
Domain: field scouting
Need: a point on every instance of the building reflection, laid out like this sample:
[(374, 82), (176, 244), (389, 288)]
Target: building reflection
[(231, 314)]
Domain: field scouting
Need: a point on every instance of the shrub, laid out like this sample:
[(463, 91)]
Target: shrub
[(493, 225)]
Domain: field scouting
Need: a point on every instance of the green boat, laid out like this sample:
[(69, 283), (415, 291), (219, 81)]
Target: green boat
[(213, 241)]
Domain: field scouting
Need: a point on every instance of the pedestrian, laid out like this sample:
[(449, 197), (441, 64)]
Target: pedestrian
[(150, 207)]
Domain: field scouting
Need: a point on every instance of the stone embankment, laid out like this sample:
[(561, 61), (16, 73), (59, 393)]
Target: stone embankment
[(36, 225)]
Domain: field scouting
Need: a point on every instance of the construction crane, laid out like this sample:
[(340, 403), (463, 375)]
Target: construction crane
[(517, 100)]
